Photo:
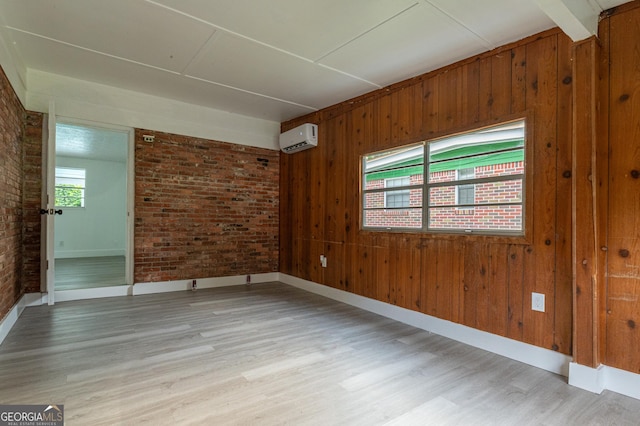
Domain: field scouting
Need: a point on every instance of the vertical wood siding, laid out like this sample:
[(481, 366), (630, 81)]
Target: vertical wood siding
[(622, 317), (481, 282)]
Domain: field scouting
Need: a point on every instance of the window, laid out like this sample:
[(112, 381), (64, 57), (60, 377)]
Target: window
[(393, 186), (466, 194), (397, 198), (474, 183), (70, 186)]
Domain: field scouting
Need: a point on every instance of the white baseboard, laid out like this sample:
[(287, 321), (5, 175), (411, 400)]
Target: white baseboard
[(587, 378), (529, 354), (604, 377), (622, 381), (202, 283), (7, 323)]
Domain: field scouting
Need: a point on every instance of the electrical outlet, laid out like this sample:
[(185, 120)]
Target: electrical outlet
[(537, 302)]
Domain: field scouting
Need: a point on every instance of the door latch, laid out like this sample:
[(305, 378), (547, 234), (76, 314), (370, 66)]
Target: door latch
[(51, 211)]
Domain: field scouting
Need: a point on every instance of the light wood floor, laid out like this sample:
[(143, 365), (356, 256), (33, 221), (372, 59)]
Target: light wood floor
[(89, 272), (271, 354)]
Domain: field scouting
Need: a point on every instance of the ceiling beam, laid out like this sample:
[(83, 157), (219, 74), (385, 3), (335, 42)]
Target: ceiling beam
[(576, 18)]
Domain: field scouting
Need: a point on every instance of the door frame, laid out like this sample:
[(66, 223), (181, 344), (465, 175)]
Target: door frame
[(49, 155)]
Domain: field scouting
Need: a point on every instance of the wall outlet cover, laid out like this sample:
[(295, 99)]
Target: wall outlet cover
[(537, 302)]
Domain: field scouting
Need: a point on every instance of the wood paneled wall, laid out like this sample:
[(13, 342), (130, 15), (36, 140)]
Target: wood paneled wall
[(587, 187), (481, 282), (620, 205)]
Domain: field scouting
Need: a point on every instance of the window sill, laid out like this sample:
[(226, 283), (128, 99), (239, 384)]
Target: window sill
[(451, 236)]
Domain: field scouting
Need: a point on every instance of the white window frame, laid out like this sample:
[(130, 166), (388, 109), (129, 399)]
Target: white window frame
[(511, 131), (71, 175), (460, 176), (390, 183)]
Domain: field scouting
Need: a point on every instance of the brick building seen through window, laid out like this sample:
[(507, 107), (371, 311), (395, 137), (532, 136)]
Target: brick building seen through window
[(489, 164)]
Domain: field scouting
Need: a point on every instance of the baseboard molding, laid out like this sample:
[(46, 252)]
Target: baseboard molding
[(587, 378), (622, 382), (202, 283), (604, 377), (7, 323), (533, 355)]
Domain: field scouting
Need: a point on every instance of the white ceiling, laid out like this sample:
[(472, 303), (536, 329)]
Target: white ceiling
[(274, 59), (78, 141)]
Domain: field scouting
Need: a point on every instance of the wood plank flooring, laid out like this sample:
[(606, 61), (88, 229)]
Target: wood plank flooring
[(271, 354), (89, 272)]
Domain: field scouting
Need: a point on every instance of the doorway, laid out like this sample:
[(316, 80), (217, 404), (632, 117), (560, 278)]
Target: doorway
[(91, 185)]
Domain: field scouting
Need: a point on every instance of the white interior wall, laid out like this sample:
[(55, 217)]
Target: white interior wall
[(13, 68), (79, 99), (100, 103), (99, 228)]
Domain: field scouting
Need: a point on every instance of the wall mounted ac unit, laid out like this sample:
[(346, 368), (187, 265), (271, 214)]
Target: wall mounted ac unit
[(299, 138)]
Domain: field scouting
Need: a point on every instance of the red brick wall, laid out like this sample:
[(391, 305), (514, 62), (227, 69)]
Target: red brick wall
[(507, 218), (32, 187), (11, 133), (204, 208)]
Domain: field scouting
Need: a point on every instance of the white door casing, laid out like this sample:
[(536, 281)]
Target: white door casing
[(49, 186)]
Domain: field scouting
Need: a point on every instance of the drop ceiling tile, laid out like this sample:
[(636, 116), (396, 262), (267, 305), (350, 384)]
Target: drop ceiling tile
[(71, 62), (497, 21), (134, 30), (415, 42), (308, 28), (241, 63)]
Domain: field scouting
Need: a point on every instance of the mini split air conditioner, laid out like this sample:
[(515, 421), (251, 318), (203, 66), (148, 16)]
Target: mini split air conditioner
[(300, 138)]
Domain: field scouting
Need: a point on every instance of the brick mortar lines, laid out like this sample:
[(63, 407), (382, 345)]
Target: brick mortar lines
[(204, 208)]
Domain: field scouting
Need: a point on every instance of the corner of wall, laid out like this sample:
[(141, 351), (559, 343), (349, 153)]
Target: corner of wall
[(29, 299), (13, 68), (587, 378), (603, 378)]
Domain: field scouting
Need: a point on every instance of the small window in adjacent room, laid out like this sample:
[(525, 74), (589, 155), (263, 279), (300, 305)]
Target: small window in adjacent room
[(70, 186), (466, 192), (398, 198)]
